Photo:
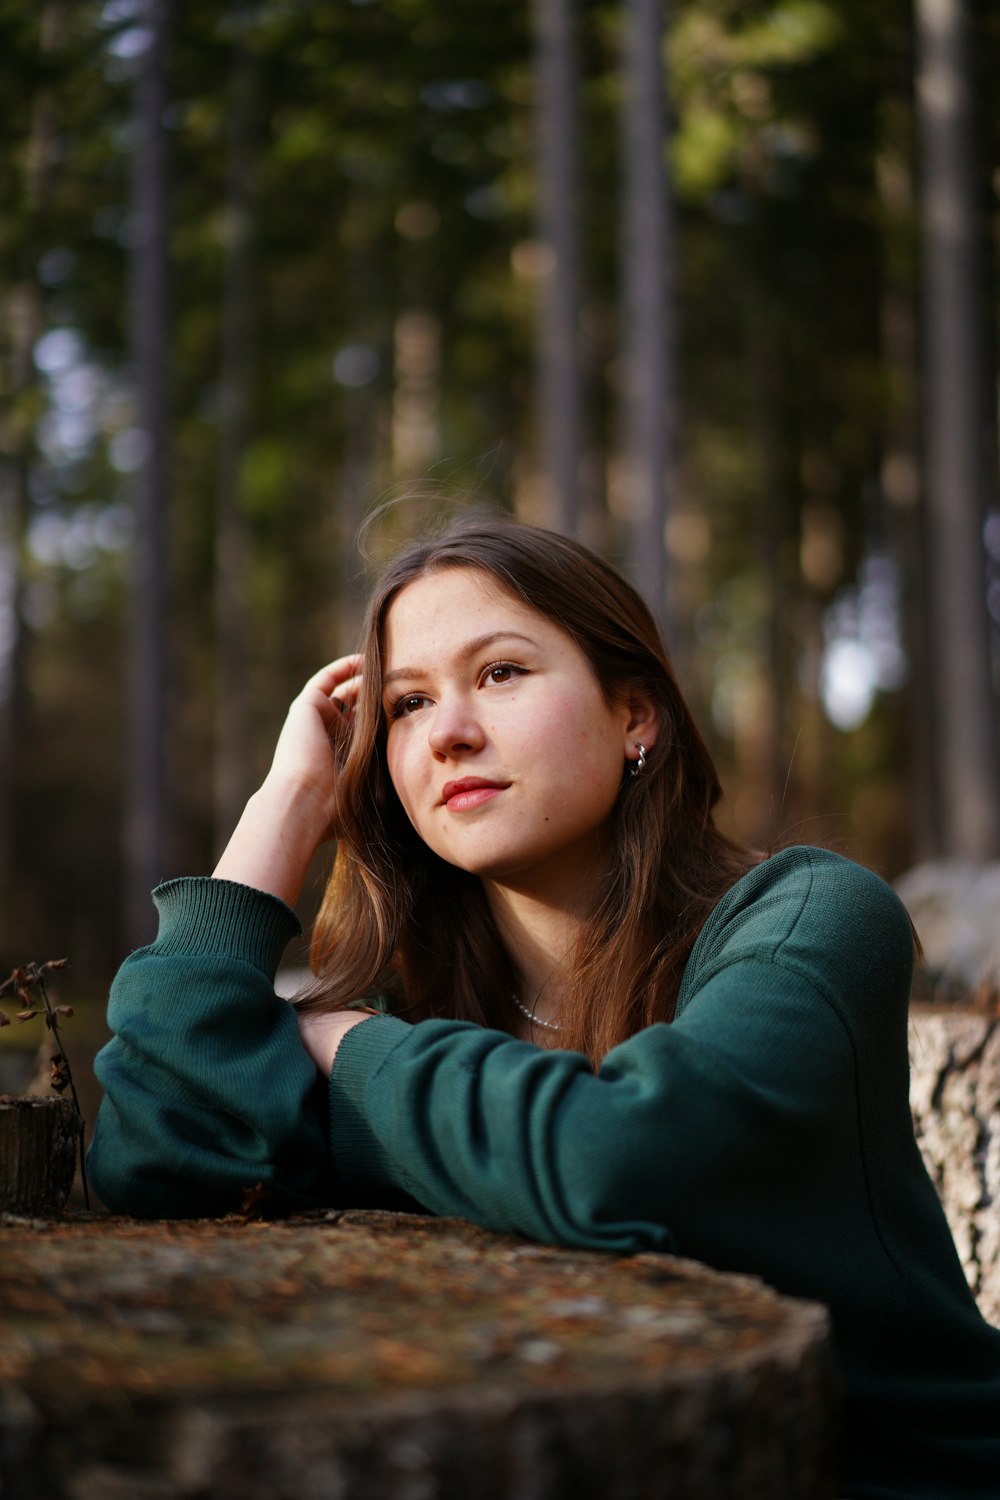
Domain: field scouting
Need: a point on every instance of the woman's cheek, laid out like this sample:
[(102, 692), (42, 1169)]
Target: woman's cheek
[(399, 758)]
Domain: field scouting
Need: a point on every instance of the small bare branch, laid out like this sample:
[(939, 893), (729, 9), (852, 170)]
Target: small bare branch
[(22, 981)]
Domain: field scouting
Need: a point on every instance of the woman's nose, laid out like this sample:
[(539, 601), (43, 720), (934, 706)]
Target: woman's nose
[(455, 727)]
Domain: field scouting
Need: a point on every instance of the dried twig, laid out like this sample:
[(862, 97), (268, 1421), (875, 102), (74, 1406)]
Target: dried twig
[(22, 982)]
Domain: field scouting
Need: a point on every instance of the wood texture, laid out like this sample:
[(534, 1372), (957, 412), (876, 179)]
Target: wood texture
[(39, 1141), (387, 1357), (955, 1098)]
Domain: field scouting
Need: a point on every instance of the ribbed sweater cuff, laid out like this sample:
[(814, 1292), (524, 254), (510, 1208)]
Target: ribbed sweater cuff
[(199, 915), (363, 1052)]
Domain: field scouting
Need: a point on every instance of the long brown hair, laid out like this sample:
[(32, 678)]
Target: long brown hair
[(398, 920)]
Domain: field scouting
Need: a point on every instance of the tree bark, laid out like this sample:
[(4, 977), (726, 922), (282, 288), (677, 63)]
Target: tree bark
[(900, 467), (957, 403), (25, 325), (649, 335), (39, 1142), (416, 394), (955, 1097), (233, 779), (773, 767), (147, 811), (560, 382)]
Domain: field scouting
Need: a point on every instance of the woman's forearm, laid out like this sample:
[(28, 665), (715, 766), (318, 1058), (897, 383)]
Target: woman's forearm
[(274, 841), (207, 1088)]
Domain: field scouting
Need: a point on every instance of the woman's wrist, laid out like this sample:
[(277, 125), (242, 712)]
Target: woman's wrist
[(323, 1032), (273, 844)]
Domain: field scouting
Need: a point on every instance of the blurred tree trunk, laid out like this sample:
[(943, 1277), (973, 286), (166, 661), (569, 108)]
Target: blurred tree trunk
[(559, 403), (147, 797), (957, 398), (25, 326), (649, 338), (362, 472), (900, 469), (773, 767), (234, 769), (353, 487), (416, 397), (23, 317)]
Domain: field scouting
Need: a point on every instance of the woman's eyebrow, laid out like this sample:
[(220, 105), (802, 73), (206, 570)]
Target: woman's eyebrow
[(469, 649)]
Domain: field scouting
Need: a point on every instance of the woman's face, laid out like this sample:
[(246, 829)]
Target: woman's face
[(501, 746)]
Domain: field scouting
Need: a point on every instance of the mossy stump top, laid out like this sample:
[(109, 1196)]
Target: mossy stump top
[(369, 1356)]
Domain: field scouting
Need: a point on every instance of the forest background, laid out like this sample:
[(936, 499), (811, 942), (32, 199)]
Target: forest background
[(712, 286)]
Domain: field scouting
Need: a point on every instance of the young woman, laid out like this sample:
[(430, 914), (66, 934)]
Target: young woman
[(589, 1017)]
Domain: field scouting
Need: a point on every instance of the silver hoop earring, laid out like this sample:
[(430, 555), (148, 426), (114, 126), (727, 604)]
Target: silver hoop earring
[(640, 764)]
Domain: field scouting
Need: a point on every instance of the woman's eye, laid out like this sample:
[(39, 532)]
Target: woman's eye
[(501, 673), (407, 706)]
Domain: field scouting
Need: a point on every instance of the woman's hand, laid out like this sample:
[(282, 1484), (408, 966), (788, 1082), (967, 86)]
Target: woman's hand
[(322, 1033), (315, 729), (295, 810)]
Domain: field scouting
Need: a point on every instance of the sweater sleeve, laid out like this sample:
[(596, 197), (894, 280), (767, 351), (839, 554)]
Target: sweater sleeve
[(677, 1138), (716, 1136), (207, 1088)]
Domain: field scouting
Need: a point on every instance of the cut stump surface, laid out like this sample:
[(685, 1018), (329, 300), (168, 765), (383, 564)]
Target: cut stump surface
[(363, 1356)]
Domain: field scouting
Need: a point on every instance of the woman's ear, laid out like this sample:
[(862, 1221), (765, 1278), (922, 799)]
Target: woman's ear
[(643, 726)]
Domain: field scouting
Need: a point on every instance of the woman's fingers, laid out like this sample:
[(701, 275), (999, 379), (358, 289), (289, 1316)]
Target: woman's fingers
[(336, 685), (346, 693), (335, 674), (333, 690)]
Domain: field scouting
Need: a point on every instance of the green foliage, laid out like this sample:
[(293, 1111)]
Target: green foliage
[(726, 66)]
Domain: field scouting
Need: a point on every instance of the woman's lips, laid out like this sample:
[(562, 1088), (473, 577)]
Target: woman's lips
[(470, 791)]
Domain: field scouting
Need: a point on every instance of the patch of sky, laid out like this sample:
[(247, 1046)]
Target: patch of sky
[(131, 43), (74, 384), (85, 403), (58, 350), (76, 539), (863, 651)]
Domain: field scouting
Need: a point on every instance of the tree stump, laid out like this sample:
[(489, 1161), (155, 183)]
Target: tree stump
[(955, 1098), (39, 1142), (368, 1356), (955, 1055)]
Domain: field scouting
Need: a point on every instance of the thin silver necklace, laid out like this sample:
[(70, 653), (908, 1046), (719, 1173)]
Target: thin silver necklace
[(536, 1020)]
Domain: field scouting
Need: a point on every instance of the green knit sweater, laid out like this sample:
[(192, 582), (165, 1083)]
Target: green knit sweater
[(767, 1130)]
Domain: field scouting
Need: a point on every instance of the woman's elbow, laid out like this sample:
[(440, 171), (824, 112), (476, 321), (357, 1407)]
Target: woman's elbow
[(591, 1207), (129, 1184)]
